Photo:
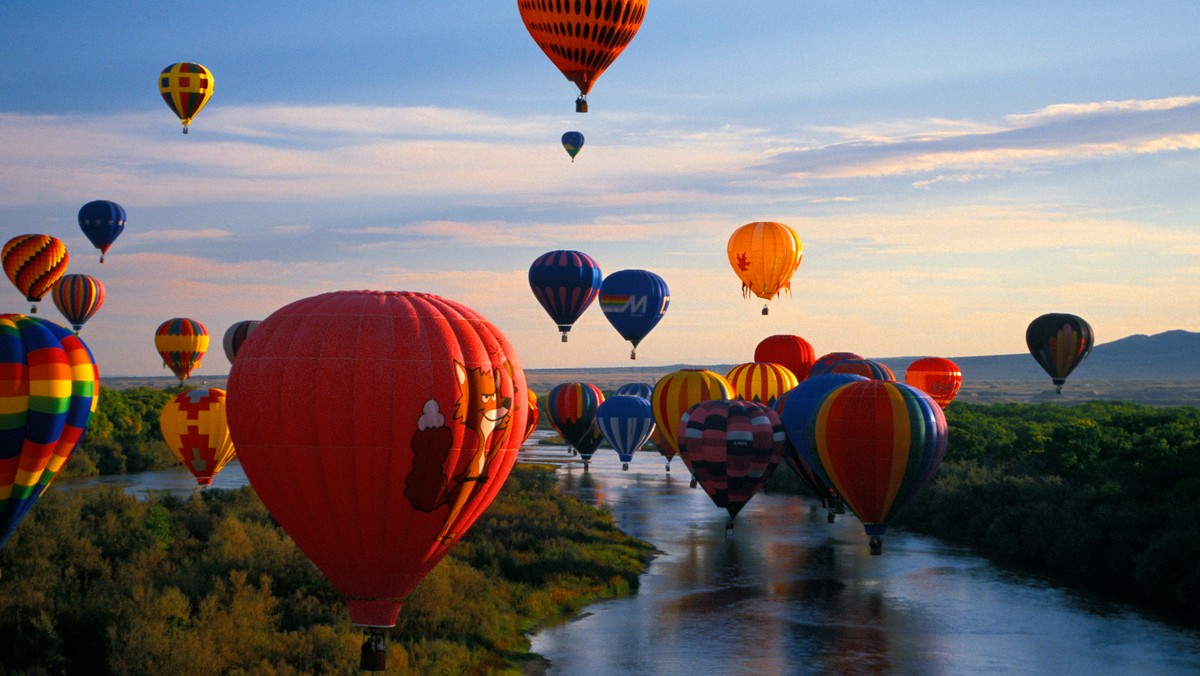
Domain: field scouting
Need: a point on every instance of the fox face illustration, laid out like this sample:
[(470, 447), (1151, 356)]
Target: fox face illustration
[(479, 406)]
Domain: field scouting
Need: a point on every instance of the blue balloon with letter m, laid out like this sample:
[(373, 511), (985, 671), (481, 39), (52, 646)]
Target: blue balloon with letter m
[(634, 301)]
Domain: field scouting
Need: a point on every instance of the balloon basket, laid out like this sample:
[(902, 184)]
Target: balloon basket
[(624, 467), (764, 311), (373, 655), (581, 105), (876, 545), (830, 518)]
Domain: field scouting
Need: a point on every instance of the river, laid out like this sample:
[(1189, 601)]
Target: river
[(789, 593)]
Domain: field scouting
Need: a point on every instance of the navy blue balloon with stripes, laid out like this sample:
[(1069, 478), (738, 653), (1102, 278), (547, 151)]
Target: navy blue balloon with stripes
[(565, 282), (626, 421)]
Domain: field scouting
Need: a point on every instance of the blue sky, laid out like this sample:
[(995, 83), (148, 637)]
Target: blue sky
[(953, 171)]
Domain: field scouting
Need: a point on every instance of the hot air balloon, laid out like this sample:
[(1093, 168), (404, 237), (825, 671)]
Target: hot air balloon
[(760, 381), (186, 87), (634, 301), (764, 255), (582, 39), (34, 263), (49, 385), (868, 368), (565, 283), (642, 390), (1059, 342), (77, 297), (792, 352), (626, 422), (674, 394), (937, 377), (822, 364), (182, 343), (879, 444), (532, 420), (798, 409), (571, 408), (235, 335), (731, 447), (102, 222), (194, 425), (376, 427), (572, 142)]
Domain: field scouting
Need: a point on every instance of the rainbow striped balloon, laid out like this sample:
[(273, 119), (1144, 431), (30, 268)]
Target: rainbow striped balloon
[(181, 342), (34, 263), (763, 382), (49, 385), (571, 408), (879, 443), (78, 297)]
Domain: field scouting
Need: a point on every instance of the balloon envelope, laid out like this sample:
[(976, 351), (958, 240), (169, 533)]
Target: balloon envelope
[(181, 342), (572, 142), (77, 297), (792, 352), (102, 222), (376, 427), (49, 386), (643, 390), (235, 335), (565, 282), (34, 263), (186, 88), (731, 447), (868, 368), (675, 393), (534, 415), (194, 425), (626, 422), (580, 42), (798, 410), (939, 378), (571, 408), (763, 382), (822, 364), (1059, 342), (764, 255), (634, 301)]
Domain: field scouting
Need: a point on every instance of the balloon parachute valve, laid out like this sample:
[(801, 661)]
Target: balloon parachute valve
[(581, 106), (876, 545), (373, 656)]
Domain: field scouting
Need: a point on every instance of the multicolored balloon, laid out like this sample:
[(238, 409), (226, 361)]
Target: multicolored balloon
[(194, 425), (822, 364), (939, 378), (731, 447), (49, 388), (1059, 342), (572, 142), (77, 297), (760, 381), (571, 408), (235, 335), (868, 368), (626, 422), (792, 352), (186, 87), (764, 255), (33, 264), (181, 342), (643, 390), (102, 222), (879, 444), (534, 416), (376, 427), (565, 282), (581, 42), (634, 301), (800, 468), (674, 394), (798, 410)]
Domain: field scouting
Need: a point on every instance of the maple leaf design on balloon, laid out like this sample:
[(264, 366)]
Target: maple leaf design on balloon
[(742, 262)]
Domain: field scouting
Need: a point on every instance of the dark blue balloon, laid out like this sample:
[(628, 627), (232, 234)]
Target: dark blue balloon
[(102, 221), (565, 283), (572, 142), (626, 422), (798, 409), (637, 389), (634, 301)]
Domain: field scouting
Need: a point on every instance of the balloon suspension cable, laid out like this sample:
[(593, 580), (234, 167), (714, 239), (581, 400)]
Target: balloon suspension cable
[(876, 545), (373, 656), (729, 527)]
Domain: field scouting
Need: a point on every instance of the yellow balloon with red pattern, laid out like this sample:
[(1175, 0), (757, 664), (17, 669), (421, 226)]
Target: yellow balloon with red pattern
[(193, 425)]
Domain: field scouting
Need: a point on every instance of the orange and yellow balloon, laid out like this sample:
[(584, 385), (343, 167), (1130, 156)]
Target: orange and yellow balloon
[(182, 343), (34, 263), (764, 255), (759, 381), (582, 39), (675, 393), (186, 87), (193, 425)]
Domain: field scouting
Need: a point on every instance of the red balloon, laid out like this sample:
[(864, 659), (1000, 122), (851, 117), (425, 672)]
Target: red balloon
[(792, 352), (376, 427), (937, 377)]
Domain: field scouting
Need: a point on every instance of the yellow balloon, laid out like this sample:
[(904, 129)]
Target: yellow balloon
[(186, 87), (193, 425), (764, 255)]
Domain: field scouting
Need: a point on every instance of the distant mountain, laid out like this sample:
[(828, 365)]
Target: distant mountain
[(1171, 355)]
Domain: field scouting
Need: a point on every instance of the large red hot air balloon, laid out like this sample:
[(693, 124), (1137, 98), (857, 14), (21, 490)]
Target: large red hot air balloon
[(582, 38), (376, 427), (792, 352), (937, 377)]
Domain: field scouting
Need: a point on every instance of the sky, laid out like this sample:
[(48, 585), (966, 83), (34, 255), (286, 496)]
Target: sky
[(953, 169)]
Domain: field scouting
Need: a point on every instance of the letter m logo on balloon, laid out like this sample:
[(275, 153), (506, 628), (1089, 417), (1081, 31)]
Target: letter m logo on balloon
[(624, 303)]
